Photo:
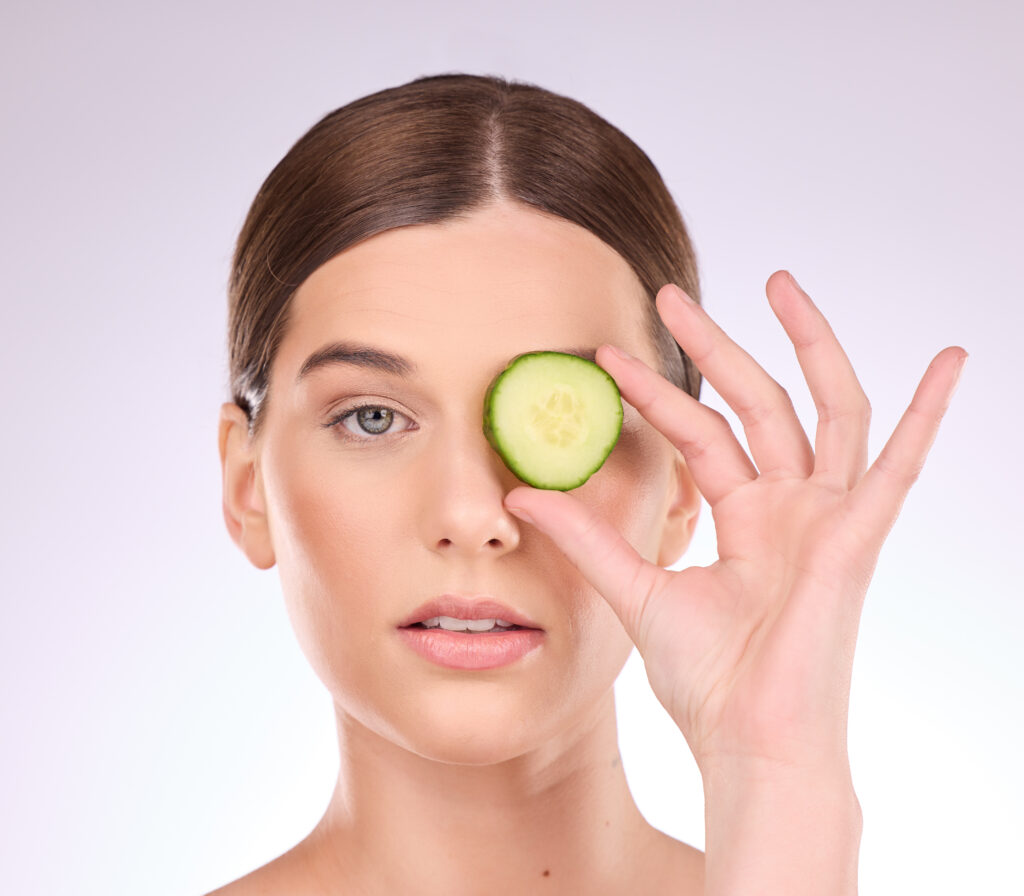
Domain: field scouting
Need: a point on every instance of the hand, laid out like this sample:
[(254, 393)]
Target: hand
[(752, 655)]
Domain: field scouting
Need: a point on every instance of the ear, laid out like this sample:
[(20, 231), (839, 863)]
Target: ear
[(682, 513), (245, 508)]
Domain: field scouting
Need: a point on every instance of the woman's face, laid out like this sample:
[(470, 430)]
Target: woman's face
[(371, 515)]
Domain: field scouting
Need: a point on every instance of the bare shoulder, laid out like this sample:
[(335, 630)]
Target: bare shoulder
[(287, 875), (261, 882)]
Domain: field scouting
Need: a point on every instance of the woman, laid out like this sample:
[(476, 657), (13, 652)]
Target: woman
[(402, 252)]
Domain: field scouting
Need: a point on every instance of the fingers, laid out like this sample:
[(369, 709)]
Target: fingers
[(606, 560), (841, 440), (777, 441), (879, 496), (716, 460)]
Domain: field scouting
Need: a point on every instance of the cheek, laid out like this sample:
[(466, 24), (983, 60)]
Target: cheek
[(320, 520), (330, 510), (333, 527), (631, 489)]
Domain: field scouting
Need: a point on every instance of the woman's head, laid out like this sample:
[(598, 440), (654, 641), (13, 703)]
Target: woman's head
[(433, 150), (370, 483)]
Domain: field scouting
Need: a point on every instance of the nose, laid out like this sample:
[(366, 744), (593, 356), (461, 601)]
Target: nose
[(463, 514)]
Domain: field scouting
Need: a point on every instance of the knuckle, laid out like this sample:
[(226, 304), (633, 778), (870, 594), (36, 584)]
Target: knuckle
[(589, 533), (696, 448), (696, 444), (718, 428), (643, 586), (719, 420), (858, 411), (785, 399), (902, 472), (774, 401), (862, 408), (755, 413)]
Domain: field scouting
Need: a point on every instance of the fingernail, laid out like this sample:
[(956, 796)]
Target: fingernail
[(793, 280), (961, 365), (681, 293), (619, 353), (522, 514)]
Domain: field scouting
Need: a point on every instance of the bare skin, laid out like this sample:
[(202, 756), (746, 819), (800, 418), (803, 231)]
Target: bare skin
[(462, 782), (752, 655), (536, 833), (452, 778)]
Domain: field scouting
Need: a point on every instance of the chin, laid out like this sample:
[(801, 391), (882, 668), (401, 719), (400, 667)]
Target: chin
[(477, 732), (484, 751), (478, 729)]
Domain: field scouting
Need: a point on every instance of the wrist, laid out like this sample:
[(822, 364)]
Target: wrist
[(723, 773), (787, 830)]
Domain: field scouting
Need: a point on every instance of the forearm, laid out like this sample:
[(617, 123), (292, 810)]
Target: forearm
[(791, 834)]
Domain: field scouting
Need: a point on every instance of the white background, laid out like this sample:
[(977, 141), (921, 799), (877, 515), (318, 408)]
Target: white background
[(162, 732)]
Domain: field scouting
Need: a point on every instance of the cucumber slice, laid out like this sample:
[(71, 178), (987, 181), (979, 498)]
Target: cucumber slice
[(553, 418)]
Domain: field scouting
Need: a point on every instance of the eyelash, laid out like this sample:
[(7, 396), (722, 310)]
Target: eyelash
[(338, 423)]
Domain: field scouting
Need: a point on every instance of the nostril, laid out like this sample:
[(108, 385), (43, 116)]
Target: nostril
[(490, 543)]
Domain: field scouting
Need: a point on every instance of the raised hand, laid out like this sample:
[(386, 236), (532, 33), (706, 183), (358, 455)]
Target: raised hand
[(752, 655)]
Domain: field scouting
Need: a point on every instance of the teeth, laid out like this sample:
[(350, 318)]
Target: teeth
[(452, 624)]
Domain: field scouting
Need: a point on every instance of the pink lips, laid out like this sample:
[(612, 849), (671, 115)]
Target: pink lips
[(470, 650)]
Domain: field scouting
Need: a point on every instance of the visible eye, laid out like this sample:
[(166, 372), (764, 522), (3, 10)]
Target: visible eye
[(372, 420)]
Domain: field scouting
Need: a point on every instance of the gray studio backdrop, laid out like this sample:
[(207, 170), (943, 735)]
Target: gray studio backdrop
[(162, 733)]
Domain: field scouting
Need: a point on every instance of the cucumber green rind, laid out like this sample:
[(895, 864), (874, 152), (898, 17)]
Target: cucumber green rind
[(505, 423)]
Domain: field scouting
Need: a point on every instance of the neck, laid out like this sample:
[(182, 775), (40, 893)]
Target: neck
[(561, 813)]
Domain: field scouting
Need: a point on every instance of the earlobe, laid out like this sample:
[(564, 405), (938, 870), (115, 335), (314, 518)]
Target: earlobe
[(681, 516), (244, 506)]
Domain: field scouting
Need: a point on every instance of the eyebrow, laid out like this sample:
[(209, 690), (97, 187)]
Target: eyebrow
[(360, 356), (377, 359)]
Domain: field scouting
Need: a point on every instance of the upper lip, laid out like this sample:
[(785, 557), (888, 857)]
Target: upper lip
[(467, 608)]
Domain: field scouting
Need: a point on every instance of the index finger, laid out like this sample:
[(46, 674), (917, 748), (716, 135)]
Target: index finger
[(605, 559)]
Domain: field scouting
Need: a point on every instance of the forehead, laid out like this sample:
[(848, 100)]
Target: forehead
[(476, 290)]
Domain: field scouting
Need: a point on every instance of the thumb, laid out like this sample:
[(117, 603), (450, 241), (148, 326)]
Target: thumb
[(605, 559)]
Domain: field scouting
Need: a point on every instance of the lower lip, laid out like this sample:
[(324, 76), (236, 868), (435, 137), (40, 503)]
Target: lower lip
[(472, 650)]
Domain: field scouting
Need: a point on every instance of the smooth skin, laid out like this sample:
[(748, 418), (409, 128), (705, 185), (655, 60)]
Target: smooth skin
[(463, 783), (752, 656), (504, 781)]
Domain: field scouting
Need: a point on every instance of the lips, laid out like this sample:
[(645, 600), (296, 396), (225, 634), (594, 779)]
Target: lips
[(468, 608)]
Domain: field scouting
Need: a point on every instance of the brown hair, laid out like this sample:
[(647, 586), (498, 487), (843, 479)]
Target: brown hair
[(431, 150)]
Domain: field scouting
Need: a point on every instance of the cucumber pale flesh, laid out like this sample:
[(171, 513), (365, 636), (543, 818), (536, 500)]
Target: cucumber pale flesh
[(553, 418)]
